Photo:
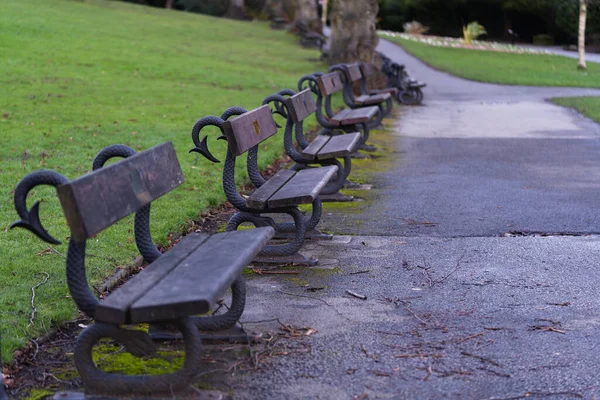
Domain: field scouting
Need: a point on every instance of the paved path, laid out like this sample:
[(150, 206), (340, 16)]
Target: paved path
[(459, 303), (558, 50)]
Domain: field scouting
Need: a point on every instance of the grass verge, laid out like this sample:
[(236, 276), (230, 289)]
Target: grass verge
[(504, 68), (588, 106), (81, 75)]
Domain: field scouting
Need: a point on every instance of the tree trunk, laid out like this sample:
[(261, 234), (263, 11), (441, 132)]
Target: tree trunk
[(324, 13), (307, 15), (353, 34), (169, 4), (274, 9), (236, 10), (581, 41)]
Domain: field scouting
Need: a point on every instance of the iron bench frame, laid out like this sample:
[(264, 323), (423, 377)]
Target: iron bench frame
[(352, 74), (264, 126), (151, 174), (295, 107), (318, 86)]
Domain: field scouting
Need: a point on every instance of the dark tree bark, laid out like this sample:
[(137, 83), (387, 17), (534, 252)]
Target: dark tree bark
[(307, 15), (236, 10), (354, 36), (169, 4), (275, 9)]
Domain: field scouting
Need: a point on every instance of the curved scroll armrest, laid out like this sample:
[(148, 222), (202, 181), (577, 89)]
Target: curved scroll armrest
[(202, 145), (30, 219), (309, 82)]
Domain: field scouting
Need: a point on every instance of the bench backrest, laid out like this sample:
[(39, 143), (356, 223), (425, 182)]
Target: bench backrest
[(367, 69), (97, 200), (330, 83), (249, 129), (301, 105), (353, 72)]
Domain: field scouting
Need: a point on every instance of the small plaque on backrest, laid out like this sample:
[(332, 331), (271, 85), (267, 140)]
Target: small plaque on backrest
[(354, 72), (101, 198), (249, 129), (301, 105), (330, 83)]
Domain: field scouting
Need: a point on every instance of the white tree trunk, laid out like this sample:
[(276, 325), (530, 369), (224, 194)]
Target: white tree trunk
[(169, 4), (581, 41)]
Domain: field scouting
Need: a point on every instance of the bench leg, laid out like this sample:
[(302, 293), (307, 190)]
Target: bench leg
[(410, 96), (139, 344), (210, 323), (277, 253)]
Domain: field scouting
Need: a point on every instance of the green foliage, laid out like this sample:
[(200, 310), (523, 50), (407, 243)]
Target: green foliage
[(415, 28), (558, 18), (505, 68), (472, 31), (216, 8), (543, 40), (78, 76)]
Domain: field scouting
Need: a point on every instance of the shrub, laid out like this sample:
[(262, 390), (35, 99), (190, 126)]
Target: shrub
[(543, 40), (473, 31), (415, 28)]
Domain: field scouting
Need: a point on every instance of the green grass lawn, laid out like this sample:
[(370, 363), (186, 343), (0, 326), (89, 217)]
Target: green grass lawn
[(80, 75), (504, 68), (588, 106)]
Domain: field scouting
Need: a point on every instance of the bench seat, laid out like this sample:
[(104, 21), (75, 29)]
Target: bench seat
[(327, 146), (350, 116), (373, 99), (186, 280), (291, 188), (391, 90), (416, 84)]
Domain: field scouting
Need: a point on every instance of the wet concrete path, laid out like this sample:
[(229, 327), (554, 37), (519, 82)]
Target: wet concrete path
[(476, 250)]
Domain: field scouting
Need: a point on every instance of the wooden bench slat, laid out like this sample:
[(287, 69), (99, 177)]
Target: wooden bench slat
[(301, 105), (97, 200), (315, 147), (391, 90), (330, 83), (249, 129), (198, 281), (114, 309), (339, 146), (372, 99), (353, 72), (354, 116), (303, 188), (258, 199)]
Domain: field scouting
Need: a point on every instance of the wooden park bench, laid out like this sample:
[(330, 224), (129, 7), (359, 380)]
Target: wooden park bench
[(324, 150), (368, 71), (409, 90), (281, 194), (185, 281), (351, 76), (348, 120)]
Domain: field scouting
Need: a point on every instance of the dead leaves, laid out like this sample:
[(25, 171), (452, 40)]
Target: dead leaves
[(296, 332)]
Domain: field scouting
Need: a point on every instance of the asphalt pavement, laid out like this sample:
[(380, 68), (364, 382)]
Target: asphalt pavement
[(477, 252)]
